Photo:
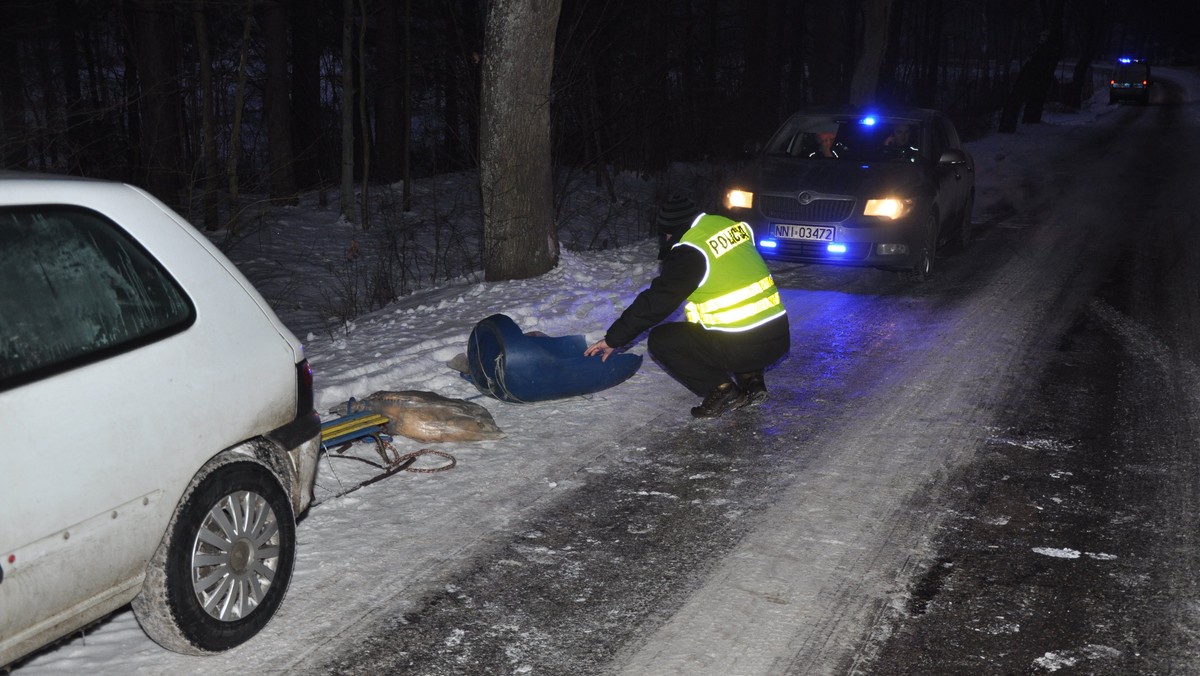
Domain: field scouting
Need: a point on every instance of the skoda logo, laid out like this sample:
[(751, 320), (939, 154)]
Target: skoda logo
[(805, 197)]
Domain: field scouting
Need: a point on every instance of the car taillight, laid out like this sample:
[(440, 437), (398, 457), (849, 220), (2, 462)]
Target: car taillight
[(304, 388)]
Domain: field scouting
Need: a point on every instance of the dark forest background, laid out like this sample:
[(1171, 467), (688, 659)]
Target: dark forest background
[(202, 101)]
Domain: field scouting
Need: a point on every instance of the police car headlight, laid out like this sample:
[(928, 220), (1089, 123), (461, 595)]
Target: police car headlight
[(739, 199), (888, 207)]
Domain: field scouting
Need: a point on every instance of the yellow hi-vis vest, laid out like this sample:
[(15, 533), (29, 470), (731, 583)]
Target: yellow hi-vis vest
[(737, 292)]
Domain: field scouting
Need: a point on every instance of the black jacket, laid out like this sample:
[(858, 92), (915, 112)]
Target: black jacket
[(682, 269)]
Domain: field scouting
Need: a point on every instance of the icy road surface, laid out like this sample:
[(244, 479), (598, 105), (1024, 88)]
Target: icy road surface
[(925, 491)]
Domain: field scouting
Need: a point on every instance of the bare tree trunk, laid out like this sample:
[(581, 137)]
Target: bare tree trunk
[(364, 114), (158, 100), (1043, 76), (793, 51), (865, 82), (516, 178), (710, 49), (461, 138), (235, 135), (79, 138), (829, 36), (13, 128), (1094, 16), (389, 132), (1029, 91), (888, 86), (50, 146), (208, 112), (927, 81), (277, 104), (764, 66), (603, 175), (406, 118), (346, 201), (129, 106), (308, 140)]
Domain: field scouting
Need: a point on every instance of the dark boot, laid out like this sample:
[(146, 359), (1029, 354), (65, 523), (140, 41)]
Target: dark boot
[(754, 386), (722, 398)]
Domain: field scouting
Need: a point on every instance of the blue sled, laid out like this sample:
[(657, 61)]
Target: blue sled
[(511, 366)]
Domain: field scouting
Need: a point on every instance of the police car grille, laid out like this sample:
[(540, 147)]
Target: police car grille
[(818, 211)]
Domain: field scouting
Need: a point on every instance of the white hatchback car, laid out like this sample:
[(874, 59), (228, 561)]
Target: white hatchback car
[(159, 431)]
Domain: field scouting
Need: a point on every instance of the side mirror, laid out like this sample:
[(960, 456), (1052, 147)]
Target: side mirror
[(952, 156)]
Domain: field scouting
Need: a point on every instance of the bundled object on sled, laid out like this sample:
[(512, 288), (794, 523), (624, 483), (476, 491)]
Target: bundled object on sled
[(512, 366), (427, 416)]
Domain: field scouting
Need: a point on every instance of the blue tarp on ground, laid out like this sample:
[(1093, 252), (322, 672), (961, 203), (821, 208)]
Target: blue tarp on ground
[(512, 366)]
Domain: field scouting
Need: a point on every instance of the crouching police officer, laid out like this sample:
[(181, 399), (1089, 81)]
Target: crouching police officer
[(736, 324)]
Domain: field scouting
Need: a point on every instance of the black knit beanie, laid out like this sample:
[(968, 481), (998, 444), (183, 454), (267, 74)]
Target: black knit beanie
[(675, 215)]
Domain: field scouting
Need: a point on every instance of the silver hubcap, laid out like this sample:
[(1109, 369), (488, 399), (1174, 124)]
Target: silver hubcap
[(235, 556)]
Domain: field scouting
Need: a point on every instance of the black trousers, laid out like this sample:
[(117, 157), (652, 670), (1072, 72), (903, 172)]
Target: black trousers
[(702, 359)]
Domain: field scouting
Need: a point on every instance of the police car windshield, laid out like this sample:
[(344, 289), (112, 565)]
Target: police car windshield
[(857, 140)]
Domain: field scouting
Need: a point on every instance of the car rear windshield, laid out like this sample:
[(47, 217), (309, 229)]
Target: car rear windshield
[(75, 288), (1131, 72), (858, 139)]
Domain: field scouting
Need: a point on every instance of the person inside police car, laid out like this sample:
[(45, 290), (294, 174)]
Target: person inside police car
[(825, 139), (736, 322), (901, 140), (826, 145)]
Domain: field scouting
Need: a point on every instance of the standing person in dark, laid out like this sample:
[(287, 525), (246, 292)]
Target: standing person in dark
[(736, 323)]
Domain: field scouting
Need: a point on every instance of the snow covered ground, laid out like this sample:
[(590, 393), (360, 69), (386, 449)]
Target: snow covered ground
[(385, 545)]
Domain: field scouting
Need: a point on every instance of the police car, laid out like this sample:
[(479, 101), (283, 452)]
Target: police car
[(1130, 81), (893, 185)]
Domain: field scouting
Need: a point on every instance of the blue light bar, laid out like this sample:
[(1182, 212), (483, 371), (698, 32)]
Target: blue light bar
[(767, 244), (836, 248), (868, 120), (1125, 59)]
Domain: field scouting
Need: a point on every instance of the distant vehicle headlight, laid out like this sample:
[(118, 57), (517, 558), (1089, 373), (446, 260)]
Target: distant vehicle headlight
[(888, 207), (739, 199)]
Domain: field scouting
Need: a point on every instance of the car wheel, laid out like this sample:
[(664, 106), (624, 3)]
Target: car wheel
[(224, 564), (922, 269), (966, 228)]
